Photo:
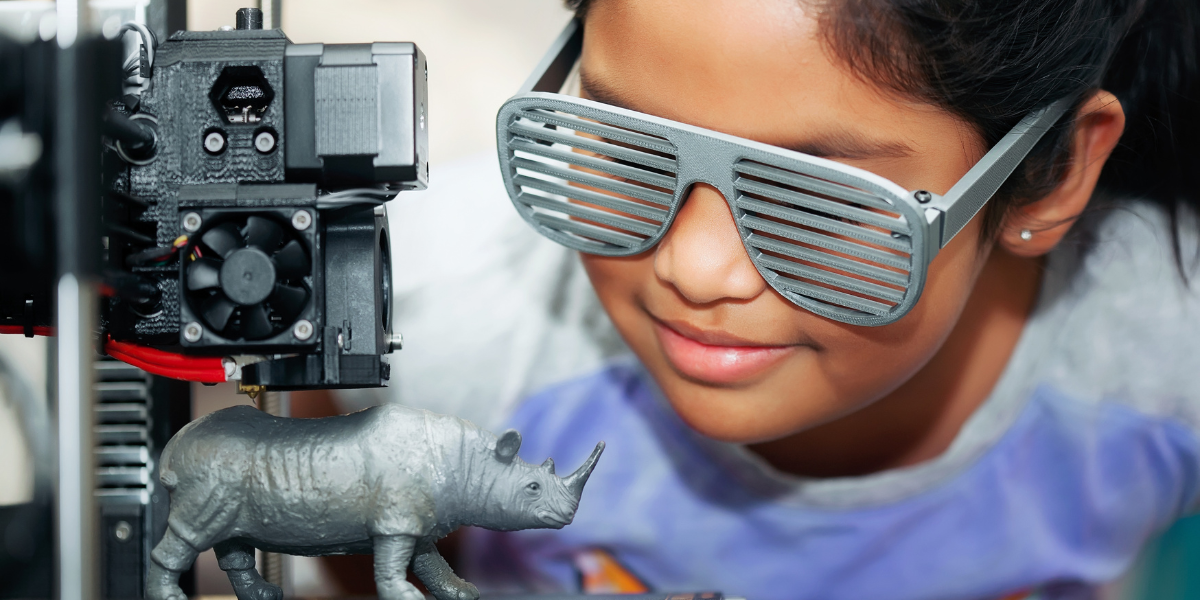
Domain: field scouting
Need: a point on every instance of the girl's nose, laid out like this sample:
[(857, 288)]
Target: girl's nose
[(702, 254)]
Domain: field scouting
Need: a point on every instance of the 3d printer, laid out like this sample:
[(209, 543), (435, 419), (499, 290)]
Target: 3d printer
[(224, 194)]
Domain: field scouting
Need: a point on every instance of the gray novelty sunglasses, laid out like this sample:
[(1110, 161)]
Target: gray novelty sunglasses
[(839, 241)]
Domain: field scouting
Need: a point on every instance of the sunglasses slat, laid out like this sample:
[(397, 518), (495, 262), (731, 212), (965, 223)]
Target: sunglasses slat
[(653, 161), (822, 205), (591, 162), (591, 214), (604, 183), (824, 241), (817, 292), (599, 129), (625, 206), (811, 183), (587, 230), (831, 278), (755, 240), (823, 223)]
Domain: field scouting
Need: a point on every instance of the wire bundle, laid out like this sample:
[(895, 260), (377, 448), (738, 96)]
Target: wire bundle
[(150, 360), (167, 364), (355, 197)]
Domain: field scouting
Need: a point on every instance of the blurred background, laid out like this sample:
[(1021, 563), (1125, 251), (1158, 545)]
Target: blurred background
[(479, 52)]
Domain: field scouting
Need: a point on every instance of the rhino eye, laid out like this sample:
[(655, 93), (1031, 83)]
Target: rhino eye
[(533, 487)]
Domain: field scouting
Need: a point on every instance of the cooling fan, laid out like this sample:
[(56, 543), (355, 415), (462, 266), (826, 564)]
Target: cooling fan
[(249, 278)]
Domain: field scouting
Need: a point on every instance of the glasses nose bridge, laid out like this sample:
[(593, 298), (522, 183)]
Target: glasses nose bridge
[(705, 161)]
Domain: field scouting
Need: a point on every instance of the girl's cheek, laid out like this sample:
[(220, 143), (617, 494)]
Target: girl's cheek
[(901, 349)]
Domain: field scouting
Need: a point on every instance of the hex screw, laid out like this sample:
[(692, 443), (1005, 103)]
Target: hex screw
[(923, 196), (214, 142), (395, 342), (192, 222), (303, 330), (264, 142), (192, 332), (123, 531), (301, 220)]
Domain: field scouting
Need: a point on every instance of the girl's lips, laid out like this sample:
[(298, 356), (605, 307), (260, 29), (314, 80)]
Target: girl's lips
[(720, 361)]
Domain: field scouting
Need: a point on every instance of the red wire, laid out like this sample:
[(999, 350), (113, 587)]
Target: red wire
[(167, 364), (20, 330), (151, 360), (160, 357), (200, 375)]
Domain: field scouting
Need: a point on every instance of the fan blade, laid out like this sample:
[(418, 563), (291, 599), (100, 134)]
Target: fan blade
[(263, 233), (217, 311), (255, 324), (223, 239), (204, 274), (292, 262), (288, 301)]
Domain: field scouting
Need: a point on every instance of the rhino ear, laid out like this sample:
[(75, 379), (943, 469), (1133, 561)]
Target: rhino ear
[(507, 445)]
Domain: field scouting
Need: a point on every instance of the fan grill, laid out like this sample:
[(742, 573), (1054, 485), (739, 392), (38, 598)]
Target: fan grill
[(245, 277)]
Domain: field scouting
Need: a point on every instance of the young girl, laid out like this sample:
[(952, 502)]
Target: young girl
[(1022, 430)]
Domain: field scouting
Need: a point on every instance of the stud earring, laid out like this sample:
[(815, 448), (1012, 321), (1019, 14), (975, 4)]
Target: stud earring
[(1026, 235)]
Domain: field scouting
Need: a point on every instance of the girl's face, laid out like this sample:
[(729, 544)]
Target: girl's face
[(736, 360)]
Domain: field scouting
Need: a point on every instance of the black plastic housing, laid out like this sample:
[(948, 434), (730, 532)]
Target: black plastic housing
[(334, 117)]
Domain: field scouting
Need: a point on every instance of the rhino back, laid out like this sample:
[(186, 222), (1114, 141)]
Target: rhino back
[(313, 482)]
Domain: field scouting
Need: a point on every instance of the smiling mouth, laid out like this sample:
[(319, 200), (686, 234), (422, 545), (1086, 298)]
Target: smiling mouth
[(715, 357)]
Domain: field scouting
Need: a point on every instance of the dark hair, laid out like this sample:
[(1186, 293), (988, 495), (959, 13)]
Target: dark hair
[(993, 61)]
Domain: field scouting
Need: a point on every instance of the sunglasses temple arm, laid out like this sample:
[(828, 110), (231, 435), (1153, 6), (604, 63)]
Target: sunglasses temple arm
[(967, 197), (554, 68)]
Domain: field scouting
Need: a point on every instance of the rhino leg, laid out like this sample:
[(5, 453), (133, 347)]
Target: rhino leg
[(170, 557), (441, 580), (237, 560), (393, 553)]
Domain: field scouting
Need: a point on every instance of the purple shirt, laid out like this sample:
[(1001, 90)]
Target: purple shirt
[(1085, 449)]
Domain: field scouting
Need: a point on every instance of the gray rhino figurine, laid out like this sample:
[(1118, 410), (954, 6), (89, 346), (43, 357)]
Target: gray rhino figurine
[(389, 480)]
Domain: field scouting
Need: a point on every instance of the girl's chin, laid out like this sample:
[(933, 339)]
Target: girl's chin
[(718, 365), (726, 415)]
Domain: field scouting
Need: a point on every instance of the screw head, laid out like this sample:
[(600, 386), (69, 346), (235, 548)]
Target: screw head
[(301, 220), (123, 531), (923, 196), (303, 330), (264, 142), (214, 142), (395, 342), (192, 222), (192, 332)]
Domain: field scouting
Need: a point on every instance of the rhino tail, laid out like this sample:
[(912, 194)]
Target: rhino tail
[(166, 475), (168, 478)]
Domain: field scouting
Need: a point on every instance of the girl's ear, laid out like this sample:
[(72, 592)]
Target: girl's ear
[(1035, 229)]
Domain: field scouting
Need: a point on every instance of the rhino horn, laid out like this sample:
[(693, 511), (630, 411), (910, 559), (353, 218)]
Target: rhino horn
[(575, 481), (549, 465)]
